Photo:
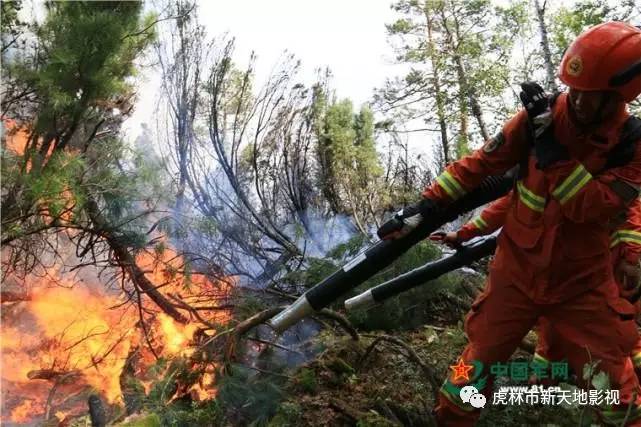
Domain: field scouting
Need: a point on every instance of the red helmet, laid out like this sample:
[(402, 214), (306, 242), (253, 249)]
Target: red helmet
[(605, 57)]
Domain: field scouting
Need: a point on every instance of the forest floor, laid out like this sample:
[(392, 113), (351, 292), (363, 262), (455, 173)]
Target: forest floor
[(388, 388)]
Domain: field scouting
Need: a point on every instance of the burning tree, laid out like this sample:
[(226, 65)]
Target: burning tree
[(90, 283)]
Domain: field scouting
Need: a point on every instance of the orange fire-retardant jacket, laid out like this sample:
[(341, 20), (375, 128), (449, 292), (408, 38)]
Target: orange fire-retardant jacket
[(555, 240), (488, 221), (625, 240)]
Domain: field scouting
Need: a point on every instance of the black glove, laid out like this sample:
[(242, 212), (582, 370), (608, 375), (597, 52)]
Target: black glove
[(546, 148), (534, 99), (407, 219)]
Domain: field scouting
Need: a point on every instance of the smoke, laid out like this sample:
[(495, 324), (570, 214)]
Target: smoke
[(322, 233)]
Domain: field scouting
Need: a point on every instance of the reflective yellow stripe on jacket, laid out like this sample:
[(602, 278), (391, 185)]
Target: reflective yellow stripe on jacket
[(450, 185), (627, 236), (530, 199), (479, 223), (572, 184), (636, 360), (538, 358)]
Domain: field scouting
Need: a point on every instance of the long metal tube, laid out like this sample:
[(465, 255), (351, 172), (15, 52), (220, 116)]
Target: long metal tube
[(467, 254), (384, 252)]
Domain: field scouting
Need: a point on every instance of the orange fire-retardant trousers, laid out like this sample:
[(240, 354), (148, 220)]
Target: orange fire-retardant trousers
[(548, 341), (597, 321)]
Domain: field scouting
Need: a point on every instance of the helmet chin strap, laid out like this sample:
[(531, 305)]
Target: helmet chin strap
[(600, 111)]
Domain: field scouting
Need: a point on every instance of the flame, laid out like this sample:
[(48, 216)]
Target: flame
[(167, 269), (94, 337), (205, 390), (176, 336), (23, 412), (15, 137), (76, 331), (82, 335)]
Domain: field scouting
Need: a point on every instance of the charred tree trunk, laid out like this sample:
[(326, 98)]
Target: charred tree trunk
[(463, 91), (51, 374), (9, 296), (477, 112), (272, 268), (355, 214), (97, 412), (228, 157), (129, 384), (181, 57)]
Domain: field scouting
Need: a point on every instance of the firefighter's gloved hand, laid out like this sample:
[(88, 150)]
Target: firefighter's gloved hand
[(406, 220), (450, 239), (534, 99), (629, 276), (400, 224), (537, 104)]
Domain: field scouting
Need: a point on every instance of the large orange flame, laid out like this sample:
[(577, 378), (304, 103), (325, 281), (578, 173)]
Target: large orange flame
[(81, 334), (15, 138), (76, 336)]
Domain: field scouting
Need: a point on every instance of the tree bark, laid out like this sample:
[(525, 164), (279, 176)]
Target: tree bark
[(466, 88), (96, 411), (127, 261), (550, 84), (436, 82), (10, 296), (51, 374)]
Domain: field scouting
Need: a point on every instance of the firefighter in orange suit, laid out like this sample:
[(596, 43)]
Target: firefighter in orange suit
[(552, 258), (625, 250)]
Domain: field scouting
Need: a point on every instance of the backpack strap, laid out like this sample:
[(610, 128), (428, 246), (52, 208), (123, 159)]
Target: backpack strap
[(523, 164), (621, 155)]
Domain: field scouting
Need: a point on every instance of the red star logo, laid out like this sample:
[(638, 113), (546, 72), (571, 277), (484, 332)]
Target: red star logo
[(461, 370)]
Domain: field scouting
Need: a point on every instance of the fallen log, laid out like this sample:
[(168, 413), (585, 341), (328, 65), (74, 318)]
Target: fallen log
[(12, 296), (51, 374)]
